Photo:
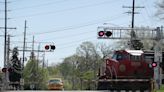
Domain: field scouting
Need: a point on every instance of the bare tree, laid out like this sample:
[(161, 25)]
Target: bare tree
[(105, 50), (160, 9)]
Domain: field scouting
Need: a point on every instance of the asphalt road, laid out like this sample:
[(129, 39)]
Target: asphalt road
[(70, 91)]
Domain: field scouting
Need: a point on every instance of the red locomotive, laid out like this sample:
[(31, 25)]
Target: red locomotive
[(127, 64)]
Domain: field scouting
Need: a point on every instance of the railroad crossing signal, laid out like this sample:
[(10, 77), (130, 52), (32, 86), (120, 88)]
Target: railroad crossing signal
[(50, 47), (4, 70), (104, 34), (10, 69)]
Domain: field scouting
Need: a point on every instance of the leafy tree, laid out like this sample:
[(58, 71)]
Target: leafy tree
[(89, 58), (88, 52), (54, 71), (15, 68), (35, 75), (88, 76), (66, 67)]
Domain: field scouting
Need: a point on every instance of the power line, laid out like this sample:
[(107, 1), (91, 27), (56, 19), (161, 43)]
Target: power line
[(75, 41), (76, 27), (147, 9), (16, 0), (39, 5), (75, 34), (72, 35), (70, 9), (79, 40)]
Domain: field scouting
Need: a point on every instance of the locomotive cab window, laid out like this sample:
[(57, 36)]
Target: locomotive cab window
[(135, 58), (119, 56)]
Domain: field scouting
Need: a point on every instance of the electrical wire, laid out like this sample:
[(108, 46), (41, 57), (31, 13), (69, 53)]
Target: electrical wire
[(79, 40), (39, 5), (147, 12), (72, 35), (16, 0), (75, 27), (64, 10)]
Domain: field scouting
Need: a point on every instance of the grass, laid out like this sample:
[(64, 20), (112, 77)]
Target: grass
[(161, 89)]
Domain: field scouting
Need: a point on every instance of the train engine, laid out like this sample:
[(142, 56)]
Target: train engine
[(126, 67)]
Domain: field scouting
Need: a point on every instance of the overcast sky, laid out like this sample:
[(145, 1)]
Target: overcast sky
[(68, 23)]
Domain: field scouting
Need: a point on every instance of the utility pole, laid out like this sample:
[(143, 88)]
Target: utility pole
[(158, 57), (24, 42), (5, 39), (133, 14), (43, 59), (32, 53), (133, 34), (24, 45), (33, 44), (38, 55), (7, 59), (47, 63), (8, 49), (73, 69), (5, 64), (5, 78)]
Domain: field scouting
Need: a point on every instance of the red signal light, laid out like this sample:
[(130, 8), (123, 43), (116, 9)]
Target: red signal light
[(104, 33), (154, 64), (50, 47), (101, 33), (10, 69), (4, 70), (47, 47)]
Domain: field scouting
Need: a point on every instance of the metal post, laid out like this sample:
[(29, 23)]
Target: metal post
[(33, 48), (8, 49), (5, 33), (24, 43), (95, 72), (7, 60), (73, 69), (47, 63), (43, 59), (132, 26), (5, 39), (38, 55), (158, 58), (133, 13)]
